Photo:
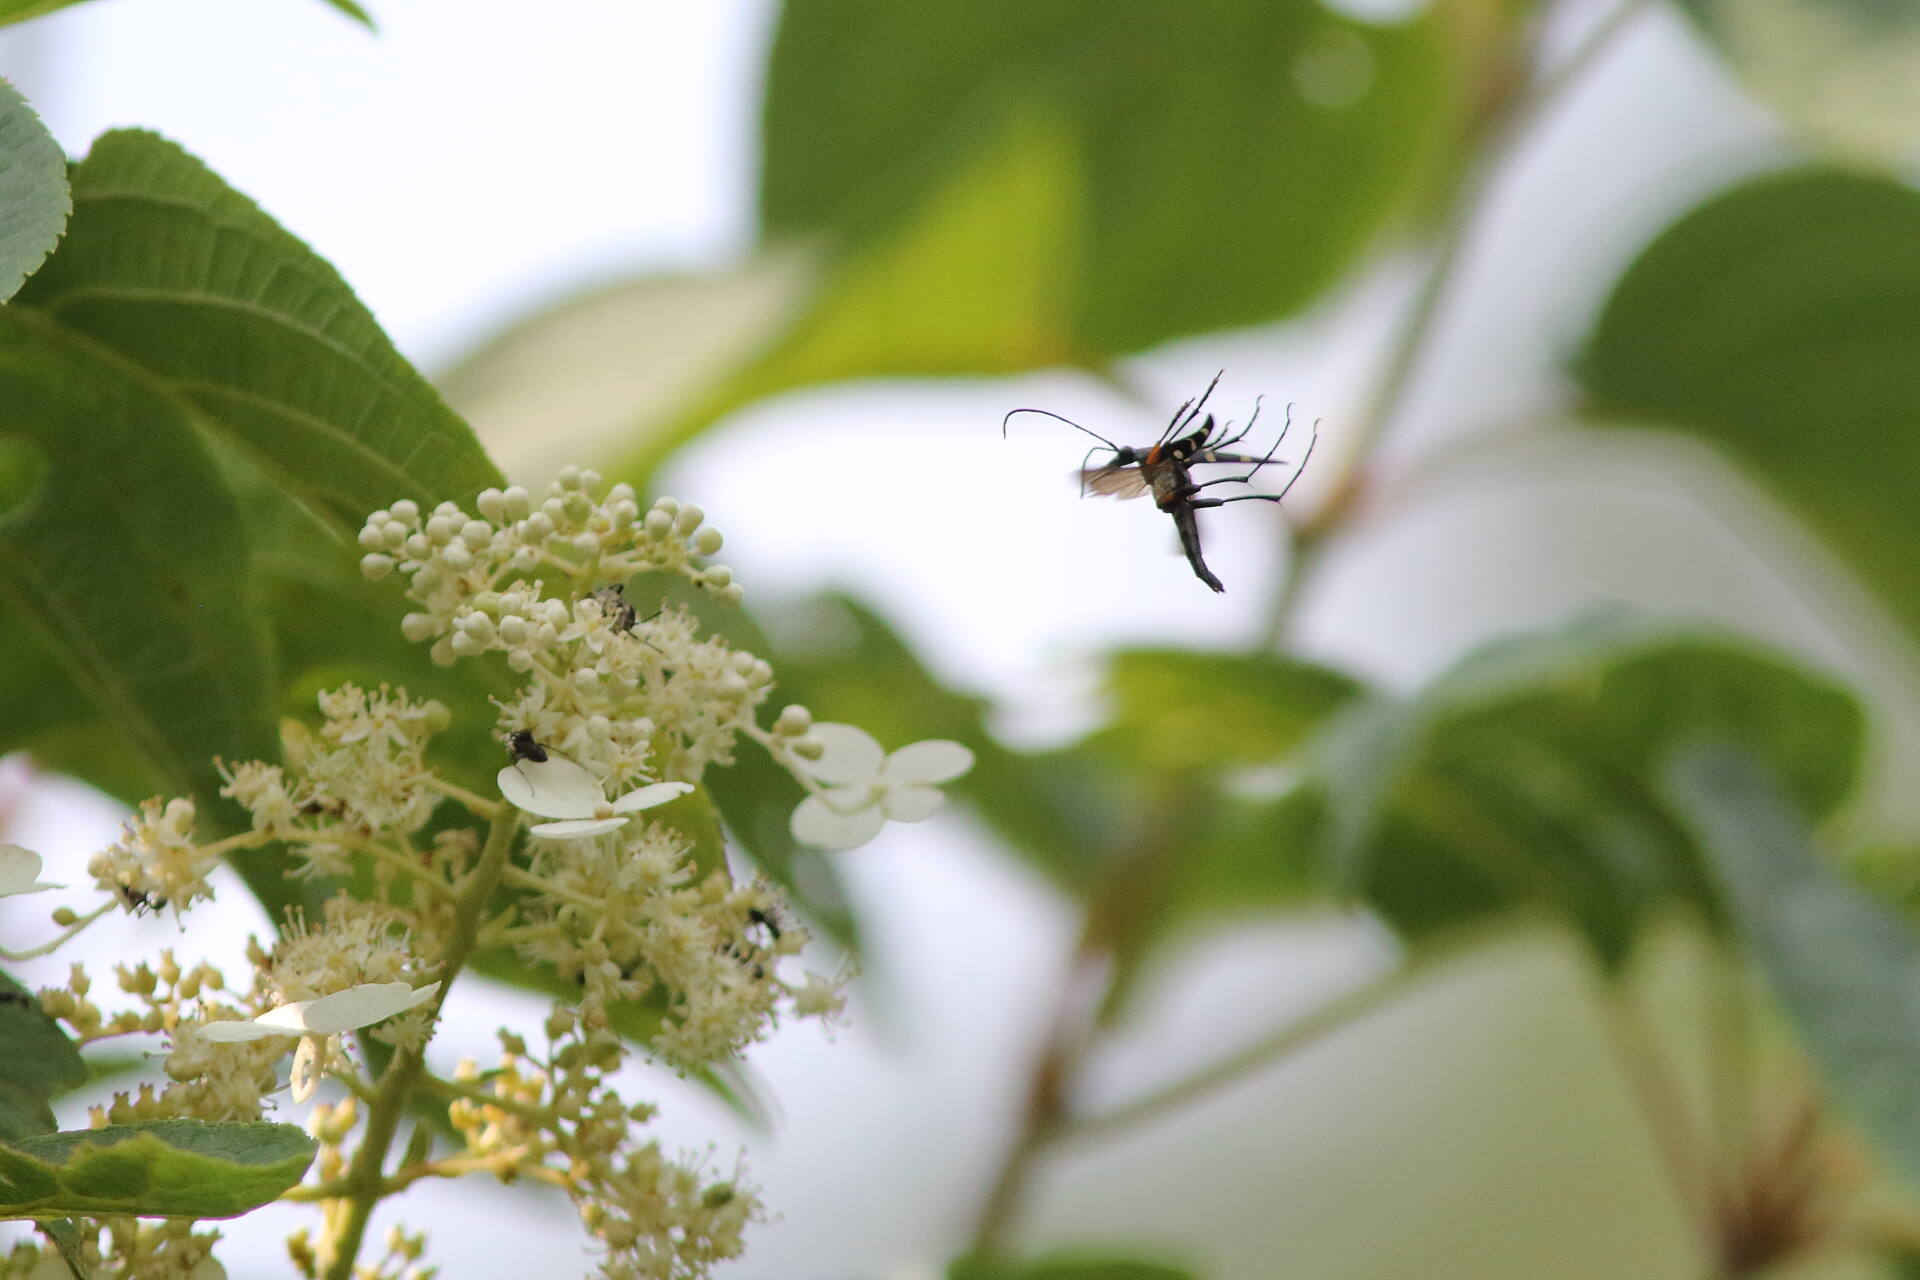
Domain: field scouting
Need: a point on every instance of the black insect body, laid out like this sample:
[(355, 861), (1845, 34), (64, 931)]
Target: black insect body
[(1165, 469), (521, 743), (614, 600)]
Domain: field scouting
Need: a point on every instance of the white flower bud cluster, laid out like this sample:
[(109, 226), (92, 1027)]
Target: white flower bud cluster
[(657, 702), (714, 945), (463, 570), (362, 770), (155, 862), (657, 1219)]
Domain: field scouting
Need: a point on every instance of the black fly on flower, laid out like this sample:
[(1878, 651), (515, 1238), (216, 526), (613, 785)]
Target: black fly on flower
[(1165, 468)]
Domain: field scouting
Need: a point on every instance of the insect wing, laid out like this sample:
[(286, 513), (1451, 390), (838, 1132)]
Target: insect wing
[(1114, 482)]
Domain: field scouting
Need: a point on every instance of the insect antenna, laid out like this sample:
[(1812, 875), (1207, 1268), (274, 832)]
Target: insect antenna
[(1051, 414)]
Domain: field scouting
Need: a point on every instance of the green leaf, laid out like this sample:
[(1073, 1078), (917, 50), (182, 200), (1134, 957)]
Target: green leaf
[(1841, 71), (1030, 196), (1078, 1265), (1778, 323), (37, 1063), (20, 10), (354, 11), (1187, 709), (575, 380), (1528, 776), (175, 271), (33, 191), (1222, 164), (1844, 965), (159, 1169), (130, 560)]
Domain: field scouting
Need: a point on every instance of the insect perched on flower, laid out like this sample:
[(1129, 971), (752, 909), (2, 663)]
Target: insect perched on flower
[(520, 742), (1164, 469)]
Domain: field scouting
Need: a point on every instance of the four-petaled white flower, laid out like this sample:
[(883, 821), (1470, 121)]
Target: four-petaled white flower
[(20, 872), (866, 786), (558, 788), (316, 1020)]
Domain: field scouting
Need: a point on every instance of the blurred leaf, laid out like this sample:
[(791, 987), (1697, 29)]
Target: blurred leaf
[(129, 560), (354, 11), (571, 381), (38, 1062), (1843, 964), (1778, 322), (1846, 73), (1188, 709), (1223, 162), (34, 201), (21, 10), (1528, 775), (1068, 182), (169, 267), (1078, 1265), (156, 1169)]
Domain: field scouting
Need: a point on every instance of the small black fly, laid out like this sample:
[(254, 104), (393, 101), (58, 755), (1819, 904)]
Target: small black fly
[(521, 743), (614, 600), (139, 901), (1165, 468)]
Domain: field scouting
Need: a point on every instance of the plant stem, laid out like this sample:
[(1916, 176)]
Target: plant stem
[(1502, 127), (1662, 1102), (407, 1069), (1289, 1038)]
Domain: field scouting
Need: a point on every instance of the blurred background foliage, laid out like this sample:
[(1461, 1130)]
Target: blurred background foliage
[(194, 412)]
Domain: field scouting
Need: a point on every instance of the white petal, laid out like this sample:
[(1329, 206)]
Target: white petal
[(553, 788), (647, 797), (303, 1078), (246, 1029), (935, 760), (360, 1006), (816, 824), (577, 828), (19, 871), (851, 755), (912, 802)]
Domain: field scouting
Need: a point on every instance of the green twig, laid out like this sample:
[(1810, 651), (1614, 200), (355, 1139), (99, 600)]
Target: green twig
[(367, 1183)]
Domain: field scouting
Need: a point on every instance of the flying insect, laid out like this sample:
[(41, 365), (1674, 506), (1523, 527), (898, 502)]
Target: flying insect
[(1165, 468)]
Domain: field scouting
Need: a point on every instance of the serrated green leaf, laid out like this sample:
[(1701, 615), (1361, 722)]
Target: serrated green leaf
[(34, 202), (1843, 964), (160, 1169), (129, 560), (1842, 71), (1528, 776), (172, 269), (1778, 322)]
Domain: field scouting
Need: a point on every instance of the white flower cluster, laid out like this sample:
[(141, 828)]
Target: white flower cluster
[(629, 698), (156, 863)]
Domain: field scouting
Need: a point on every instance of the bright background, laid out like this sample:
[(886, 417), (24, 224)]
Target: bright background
[(466, 164)]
